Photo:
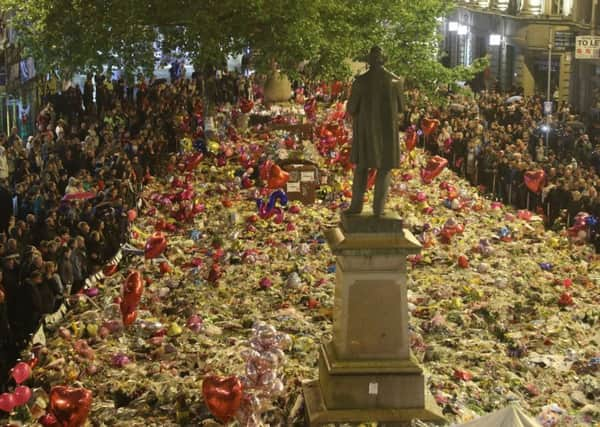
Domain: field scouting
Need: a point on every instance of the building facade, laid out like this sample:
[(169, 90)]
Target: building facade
[(531, 46), (19, 91)]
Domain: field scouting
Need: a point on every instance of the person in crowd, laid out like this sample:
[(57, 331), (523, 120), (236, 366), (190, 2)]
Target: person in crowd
[(79, 263), (14, 140), (47, 294), (65, 269), (31, 304), (6, 339)]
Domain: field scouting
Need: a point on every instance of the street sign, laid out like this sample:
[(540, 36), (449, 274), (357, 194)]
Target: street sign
[(587, 47), (547, 107), (564, 40)]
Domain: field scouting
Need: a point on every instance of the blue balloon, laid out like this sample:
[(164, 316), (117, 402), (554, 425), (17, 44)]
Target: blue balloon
[(273, 198), (504, 232), (591, 221), (200, 145)]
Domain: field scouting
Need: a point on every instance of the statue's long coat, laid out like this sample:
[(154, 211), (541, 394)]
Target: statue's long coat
[(374, 104)]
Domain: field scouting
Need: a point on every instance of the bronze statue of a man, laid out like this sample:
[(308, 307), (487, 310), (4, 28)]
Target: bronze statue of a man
[(375, 101)]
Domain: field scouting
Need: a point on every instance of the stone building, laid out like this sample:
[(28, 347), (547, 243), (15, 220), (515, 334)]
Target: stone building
[(524, 38)]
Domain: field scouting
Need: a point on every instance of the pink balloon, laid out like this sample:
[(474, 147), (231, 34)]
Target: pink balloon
[(131, 215), (7, 402), (22, 395), (21, 372)]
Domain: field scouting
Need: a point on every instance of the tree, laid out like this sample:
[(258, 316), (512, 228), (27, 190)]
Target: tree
[(77, 35)]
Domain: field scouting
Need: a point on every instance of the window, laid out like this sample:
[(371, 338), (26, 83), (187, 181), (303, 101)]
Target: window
[(561, 7)]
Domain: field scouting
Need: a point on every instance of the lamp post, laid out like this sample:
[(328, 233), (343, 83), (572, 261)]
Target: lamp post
[(548, 104)]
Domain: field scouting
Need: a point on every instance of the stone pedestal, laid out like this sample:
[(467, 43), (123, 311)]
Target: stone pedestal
[(367, 372), (277, 88)]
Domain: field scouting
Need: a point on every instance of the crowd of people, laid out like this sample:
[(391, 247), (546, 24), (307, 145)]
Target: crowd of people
[(64, 197), (495, 138)]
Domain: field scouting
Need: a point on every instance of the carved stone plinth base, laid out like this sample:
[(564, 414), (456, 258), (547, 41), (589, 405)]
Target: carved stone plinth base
[(367, 372), (317, 414)]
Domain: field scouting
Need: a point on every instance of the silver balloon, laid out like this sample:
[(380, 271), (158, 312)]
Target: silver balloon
[(284, 341), (261, 384), (277, 388), (293, 281), (266, 361), (266, 380), (277, 354), (250, 354)]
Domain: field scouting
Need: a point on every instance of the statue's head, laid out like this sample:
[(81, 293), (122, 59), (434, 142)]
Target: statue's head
[(376, 57)]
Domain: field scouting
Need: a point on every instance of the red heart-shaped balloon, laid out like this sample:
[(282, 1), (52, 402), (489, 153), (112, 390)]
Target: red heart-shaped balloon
[(7, 402), (534, 180), (193, 161), (246, 105), (429, 125), (463, 261), (186, 194), (434, 166), (524, 214), (21, 372), (129, 317), (155, 245), (411, 139), (277, 177), (165, 267), (22, 395), (110, 269), (132, 294), (222, 396), (450, 230), (70, 405)]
